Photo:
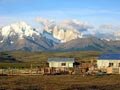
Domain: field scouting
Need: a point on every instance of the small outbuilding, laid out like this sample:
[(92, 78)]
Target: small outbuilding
[(109, 62), (61, 62)]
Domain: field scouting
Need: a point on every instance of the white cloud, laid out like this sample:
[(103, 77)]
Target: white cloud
[(64, 24), (44, 21), (107, 31), (109, 28), (76, 24)]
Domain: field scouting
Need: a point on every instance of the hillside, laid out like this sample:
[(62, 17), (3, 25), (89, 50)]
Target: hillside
[(89, 44), (25, 59)]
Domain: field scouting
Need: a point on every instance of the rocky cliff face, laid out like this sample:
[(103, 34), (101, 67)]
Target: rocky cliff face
[(66, 31), (65, 35)]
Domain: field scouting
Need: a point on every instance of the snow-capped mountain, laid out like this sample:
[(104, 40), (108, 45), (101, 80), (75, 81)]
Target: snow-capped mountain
[(21, 29), (21, 36), (60, 37)]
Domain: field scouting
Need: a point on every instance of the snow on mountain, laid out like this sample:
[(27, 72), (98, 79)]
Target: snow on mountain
[(50, 37), (21, 36), (67, 35), (20, 29)]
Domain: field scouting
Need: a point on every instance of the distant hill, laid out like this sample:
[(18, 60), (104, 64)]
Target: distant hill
[(89, 44), (25, 59)]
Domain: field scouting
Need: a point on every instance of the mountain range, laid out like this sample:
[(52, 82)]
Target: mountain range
[(67, 36)]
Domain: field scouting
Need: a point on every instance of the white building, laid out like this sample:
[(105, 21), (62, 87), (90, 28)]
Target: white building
[(108, 61), (61, 62)]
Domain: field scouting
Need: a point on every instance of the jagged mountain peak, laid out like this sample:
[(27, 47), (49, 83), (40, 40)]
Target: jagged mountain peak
[(64, 34), (20, 29), (21, 36)]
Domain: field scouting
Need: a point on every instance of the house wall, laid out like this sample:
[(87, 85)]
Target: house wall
[(105, 63), (59, 64)]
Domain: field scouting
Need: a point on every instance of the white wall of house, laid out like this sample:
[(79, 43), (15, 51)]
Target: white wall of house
[(60, 64), (105, 63)]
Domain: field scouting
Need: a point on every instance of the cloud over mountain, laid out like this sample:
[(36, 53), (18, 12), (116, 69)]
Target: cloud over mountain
[(109, 28), (108, 31), (62, 36), (59, 29), (76, 24), (65, 24), (64, 30)]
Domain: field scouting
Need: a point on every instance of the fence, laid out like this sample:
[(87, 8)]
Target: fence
[(36, 71)]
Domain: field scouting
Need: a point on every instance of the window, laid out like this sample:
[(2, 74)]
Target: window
[(111, 64), (63, 64)]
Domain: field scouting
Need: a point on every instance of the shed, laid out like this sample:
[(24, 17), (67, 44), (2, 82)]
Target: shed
[(112, 61), (61, 62)]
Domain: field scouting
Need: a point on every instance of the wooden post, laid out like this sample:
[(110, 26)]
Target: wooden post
[(2, 71), (31, 66)]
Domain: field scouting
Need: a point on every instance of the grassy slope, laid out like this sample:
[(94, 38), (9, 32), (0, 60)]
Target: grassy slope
[(40, 58)]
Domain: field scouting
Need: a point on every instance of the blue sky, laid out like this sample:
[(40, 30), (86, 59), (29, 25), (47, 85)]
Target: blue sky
[(92, 11)]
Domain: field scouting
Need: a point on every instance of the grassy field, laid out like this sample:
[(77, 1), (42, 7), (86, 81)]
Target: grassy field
[(53, 82), (60, 82), (25, 59)]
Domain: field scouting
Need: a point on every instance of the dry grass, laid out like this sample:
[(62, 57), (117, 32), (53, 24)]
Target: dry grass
[(60, 82), (56, 82)]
